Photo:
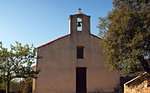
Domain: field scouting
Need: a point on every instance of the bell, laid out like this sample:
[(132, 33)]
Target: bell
[(79, 24)]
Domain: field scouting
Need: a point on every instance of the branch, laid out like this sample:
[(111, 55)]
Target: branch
[(144, 64)]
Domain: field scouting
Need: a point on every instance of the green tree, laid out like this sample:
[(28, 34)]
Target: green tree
[(13, 86), (25, 86), (16, 63), (2, 87), (125, 34)]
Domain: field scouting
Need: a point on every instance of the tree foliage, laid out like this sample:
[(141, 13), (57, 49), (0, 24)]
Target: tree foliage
[(13, 86), (2, 87), (125, 34), (25, 86), (16, 63)]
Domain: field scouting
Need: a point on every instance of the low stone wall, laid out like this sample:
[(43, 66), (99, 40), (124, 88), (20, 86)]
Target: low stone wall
[(140, 84)]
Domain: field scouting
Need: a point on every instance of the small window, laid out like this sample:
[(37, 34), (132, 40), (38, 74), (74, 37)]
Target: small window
[(79, 24), (80, 52)]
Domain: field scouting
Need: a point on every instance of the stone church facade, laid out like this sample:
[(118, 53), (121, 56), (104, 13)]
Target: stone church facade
[(74, 63)]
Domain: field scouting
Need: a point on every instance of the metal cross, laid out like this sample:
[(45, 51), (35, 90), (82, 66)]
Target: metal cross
[(79, 9)]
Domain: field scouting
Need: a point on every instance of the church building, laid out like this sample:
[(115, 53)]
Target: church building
[(74, 63)]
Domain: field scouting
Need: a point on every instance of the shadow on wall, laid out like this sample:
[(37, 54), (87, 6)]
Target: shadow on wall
[(116, 90)]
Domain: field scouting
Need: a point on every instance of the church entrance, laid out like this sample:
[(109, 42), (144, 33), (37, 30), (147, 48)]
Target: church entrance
[(80, 80)]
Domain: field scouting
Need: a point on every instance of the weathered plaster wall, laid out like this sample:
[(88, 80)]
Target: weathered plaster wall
[(58, 66)]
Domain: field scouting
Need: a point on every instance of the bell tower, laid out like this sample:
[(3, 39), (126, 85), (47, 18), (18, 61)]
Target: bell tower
[(79, 23)]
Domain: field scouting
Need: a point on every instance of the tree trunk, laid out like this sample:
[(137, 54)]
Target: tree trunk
[(7, 86), (144, 64)]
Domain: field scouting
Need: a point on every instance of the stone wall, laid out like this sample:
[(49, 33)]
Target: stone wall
[(140, 84)]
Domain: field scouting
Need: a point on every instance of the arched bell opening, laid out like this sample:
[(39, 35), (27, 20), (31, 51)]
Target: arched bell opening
[(79, 24)]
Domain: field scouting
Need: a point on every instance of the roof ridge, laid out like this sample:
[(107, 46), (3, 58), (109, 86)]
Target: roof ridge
[(61, 38), (95, 36), (52, 41)]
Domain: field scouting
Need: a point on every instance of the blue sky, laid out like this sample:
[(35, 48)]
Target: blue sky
[(40, 21)]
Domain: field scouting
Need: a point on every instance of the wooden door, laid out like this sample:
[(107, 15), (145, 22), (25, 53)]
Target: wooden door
[(80, 80)]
